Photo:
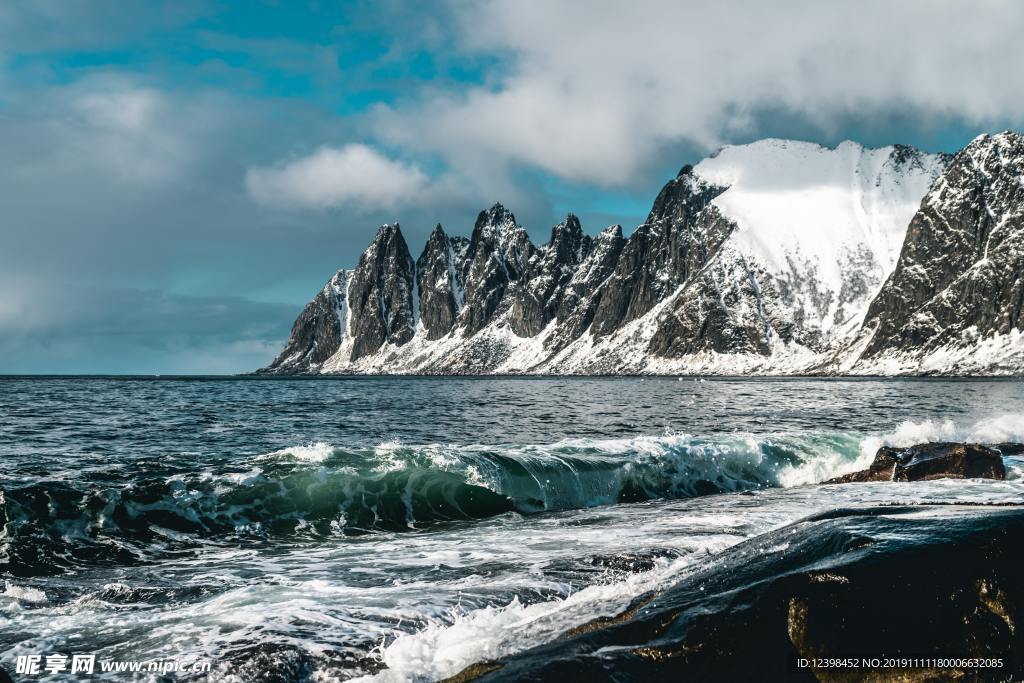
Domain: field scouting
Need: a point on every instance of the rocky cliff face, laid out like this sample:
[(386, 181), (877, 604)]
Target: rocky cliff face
[(675, 242), (498, 258), (539, 295), (775, 257), (380, 294), (960, 275), (439, 282), (318, 331)]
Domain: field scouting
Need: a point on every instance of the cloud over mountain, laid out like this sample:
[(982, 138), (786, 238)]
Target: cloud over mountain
[(354, 174), (593, 91)]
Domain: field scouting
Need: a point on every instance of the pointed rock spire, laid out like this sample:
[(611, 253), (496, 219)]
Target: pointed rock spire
[(439, 284), (381, 294), (499, 253)]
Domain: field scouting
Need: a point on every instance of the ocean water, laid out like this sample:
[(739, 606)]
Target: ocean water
[(405, 528)]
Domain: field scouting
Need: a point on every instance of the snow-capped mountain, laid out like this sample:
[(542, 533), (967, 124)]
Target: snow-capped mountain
[(955, 300), (775, 257)]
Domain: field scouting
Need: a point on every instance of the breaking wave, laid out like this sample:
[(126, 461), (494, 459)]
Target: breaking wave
[(320, 490)]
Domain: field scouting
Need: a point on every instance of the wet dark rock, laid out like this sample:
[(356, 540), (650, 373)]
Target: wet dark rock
[(932, 461), (849, 583), (948, 460), (1009, 448)]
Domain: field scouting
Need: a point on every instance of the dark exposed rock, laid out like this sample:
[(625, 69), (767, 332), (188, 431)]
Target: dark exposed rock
[(947, 460), (662, 253), (317, 332), (926, 461), (499, 253), (538, 295), (439, 283), (960, 275), (380, 294), (844, 584), (584, 291), (1009, 448)]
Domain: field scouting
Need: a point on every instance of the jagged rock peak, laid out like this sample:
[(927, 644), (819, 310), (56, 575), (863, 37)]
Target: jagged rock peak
[(683, 197), (568, 243), (496, 230), (496, 217), (388, 231), (381, 294), (439, 284), (499, 253), (1002, 148), (611, 232)]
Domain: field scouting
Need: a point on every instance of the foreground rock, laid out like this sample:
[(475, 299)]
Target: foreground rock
[(925, 582), (934, 461)]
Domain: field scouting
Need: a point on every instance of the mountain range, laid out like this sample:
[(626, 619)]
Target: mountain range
[(776, 257)]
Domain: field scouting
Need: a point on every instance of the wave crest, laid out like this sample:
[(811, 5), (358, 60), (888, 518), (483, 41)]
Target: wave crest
[(318, 489)]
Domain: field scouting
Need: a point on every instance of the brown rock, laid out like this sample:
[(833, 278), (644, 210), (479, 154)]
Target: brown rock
[(941, 460), (947, 461)]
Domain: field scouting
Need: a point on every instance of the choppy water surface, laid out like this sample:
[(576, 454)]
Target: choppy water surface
[(405, 528)]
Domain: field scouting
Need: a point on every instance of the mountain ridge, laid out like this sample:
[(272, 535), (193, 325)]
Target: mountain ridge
[(776, 257)]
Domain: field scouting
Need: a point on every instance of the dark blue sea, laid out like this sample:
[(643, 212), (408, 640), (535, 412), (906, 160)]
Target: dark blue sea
[(405, 528)]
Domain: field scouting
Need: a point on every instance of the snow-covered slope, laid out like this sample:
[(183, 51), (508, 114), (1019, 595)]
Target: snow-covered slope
[(764, 258), (827, 224)]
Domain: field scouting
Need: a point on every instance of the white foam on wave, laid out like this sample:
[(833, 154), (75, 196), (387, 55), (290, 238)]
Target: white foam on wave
[(444, 648), (314, 451), (989, 430), (587, 472), (23, 593)]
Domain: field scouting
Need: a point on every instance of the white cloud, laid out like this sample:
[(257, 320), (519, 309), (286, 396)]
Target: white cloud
[(592, 91), (353, 175), (109, 127), (126, 110)]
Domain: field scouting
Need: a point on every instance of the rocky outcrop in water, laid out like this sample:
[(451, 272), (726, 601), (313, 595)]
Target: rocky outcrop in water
[(934, 461), (843, 584), (771, 258)]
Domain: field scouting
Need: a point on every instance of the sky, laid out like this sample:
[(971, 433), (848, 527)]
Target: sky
[(178, 178)]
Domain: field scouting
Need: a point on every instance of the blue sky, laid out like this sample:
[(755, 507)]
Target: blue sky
[(179, 178)]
